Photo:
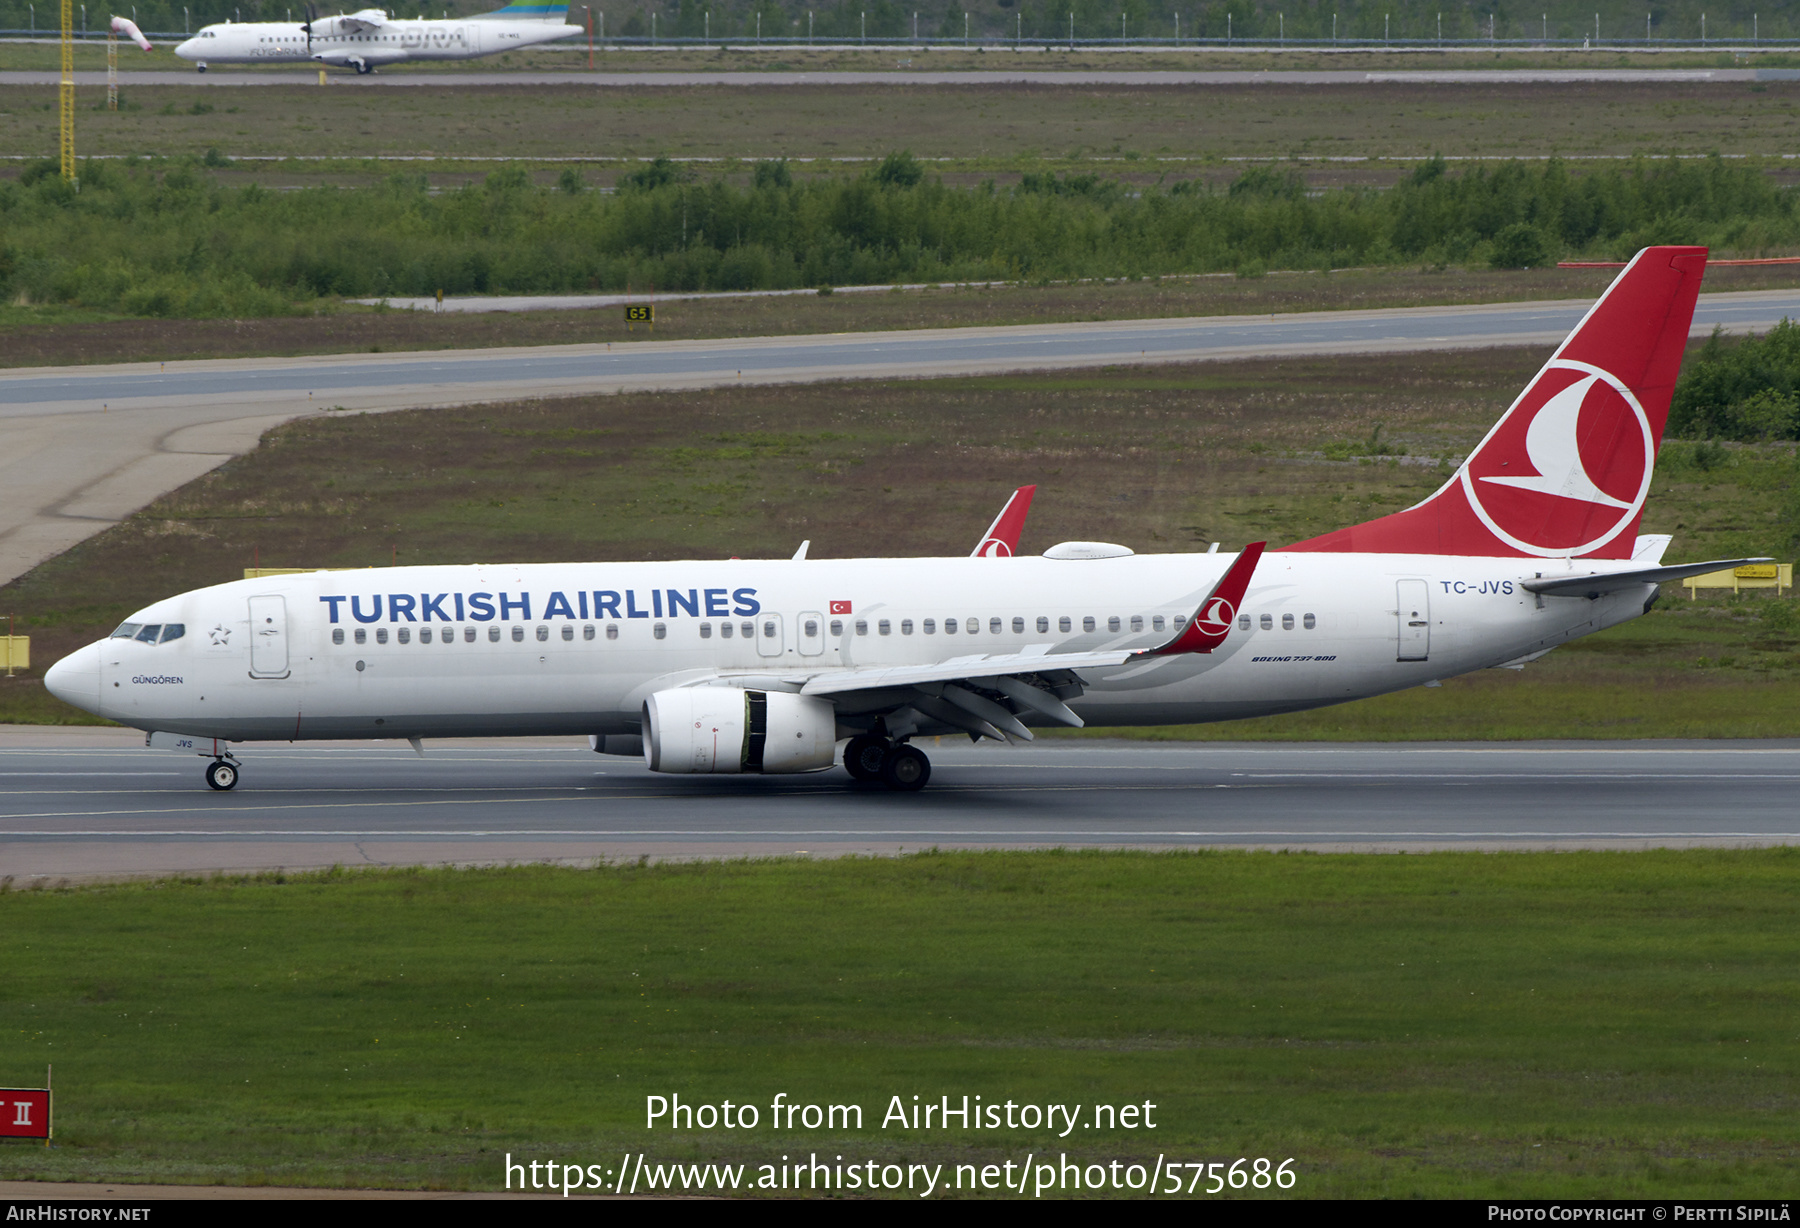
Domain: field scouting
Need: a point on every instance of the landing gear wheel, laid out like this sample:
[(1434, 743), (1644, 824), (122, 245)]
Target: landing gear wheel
[(863, 756), (363, 70), (905, 769), (199, 68), (222, 775)]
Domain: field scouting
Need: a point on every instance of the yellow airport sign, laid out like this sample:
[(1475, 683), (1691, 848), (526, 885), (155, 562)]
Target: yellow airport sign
[(1778, 576), (17, 651)]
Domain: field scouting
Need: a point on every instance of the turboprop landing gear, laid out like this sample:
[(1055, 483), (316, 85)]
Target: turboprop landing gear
[(199, 68), (905, 769), (222, 774)]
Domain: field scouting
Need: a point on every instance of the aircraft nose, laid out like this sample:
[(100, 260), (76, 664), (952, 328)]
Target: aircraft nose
[(76, 679), (185, 51)]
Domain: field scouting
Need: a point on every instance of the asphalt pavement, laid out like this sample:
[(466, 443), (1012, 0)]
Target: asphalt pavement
[(405, 75), (81, 447), (96, 803)]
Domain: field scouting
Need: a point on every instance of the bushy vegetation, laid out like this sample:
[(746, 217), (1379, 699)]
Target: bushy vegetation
[(849, 20), (1748, 390), (165, 239)]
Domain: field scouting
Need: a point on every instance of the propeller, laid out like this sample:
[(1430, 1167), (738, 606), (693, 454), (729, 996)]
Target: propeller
[(312, 15)]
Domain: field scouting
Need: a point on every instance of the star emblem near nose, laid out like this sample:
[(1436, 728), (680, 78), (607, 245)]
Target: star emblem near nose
[(221, 634)]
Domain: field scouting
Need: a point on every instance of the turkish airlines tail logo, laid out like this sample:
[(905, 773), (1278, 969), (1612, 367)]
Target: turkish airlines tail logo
[(1566, 470)]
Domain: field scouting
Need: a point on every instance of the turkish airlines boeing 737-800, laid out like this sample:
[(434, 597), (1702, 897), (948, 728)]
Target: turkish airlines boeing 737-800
[(368, 39), (765, 666)]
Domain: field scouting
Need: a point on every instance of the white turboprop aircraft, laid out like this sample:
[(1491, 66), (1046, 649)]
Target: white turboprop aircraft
[(765, 666), (368, 39)]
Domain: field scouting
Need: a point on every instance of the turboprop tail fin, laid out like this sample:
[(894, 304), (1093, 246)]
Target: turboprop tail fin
[(1565, 471), (530, 12)]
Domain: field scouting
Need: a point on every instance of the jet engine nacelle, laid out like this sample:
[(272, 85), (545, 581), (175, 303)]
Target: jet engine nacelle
[(729, 729)]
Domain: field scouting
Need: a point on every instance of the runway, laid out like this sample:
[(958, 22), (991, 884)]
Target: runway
[(422, 76), (82, 447), (111, 808)]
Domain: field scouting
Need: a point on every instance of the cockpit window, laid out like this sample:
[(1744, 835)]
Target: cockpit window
[(173, 631), (149, 633), (127, 631)]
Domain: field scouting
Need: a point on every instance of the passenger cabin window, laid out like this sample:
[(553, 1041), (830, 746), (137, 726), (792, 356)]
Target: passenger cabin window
[(381, 635), (725, 631), (587, 631), (660, 631), (468, 635), (518, 634), (837, 627), (906, 626), (748, 630), (706, 630), (862, 626), (424, 635), (885, 627), (568, 631), (930, 626), (1156, 622), (612, 631), (1268, 622), (493, 635), (1043, 625), (337, 635), (1243, 622), (768, 631), (1087, 623), (949, 626), (1064, 624), (811, 628), (362, 635), (543, 633), (403, 635), (1137, 622), (1112, 624), (1287, 622), (994, 626), (1309, 622)]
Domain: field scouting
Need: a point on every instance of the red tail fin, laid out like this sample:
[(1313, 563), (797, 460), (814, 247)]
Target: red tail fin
[(1565, 472)]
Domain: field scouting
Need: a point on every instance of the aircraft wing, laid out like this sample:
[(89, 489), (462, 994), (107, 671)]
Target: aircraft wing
[(356, 23), (1001, 541), (985, 694), (1598, 584)]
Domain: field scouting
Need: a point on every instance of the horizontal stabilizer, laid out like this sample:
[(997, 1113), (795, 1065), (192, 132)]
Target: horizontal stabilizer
[(1600, 583)]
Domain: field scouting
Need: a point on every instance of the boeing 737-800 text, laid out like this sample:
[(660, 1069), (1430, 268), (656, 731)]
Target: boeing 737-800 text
[(368, 39), (746, 665)]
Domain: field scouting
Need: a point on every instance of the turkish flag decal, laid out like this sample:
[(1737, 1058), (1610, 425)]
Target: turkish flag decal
[(840, 607)]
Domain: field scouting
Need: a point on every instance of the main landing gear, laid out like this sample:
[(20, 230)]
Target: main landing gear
[(222, 774), (899, 767)]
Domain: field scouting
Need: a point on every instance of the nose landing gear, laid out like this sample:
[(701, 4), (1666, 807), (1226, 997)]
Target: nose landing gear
[(901, 768), (222, 774)]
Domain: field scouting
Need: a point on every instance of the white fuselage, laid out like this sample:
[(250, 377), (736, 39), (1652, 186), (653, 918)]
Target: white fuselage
[(577, 648), (392, 42)]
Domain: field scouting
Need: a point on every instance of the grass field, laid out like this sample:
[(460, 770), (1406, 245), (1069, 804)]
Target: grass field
[(571, 57), (1450, 1025), (1161, 459), (40, 335), (983, 128)]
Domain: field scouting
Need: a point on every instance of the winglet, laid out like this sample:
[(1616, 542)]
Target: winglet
[(1001, 541), (1207, 629)]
